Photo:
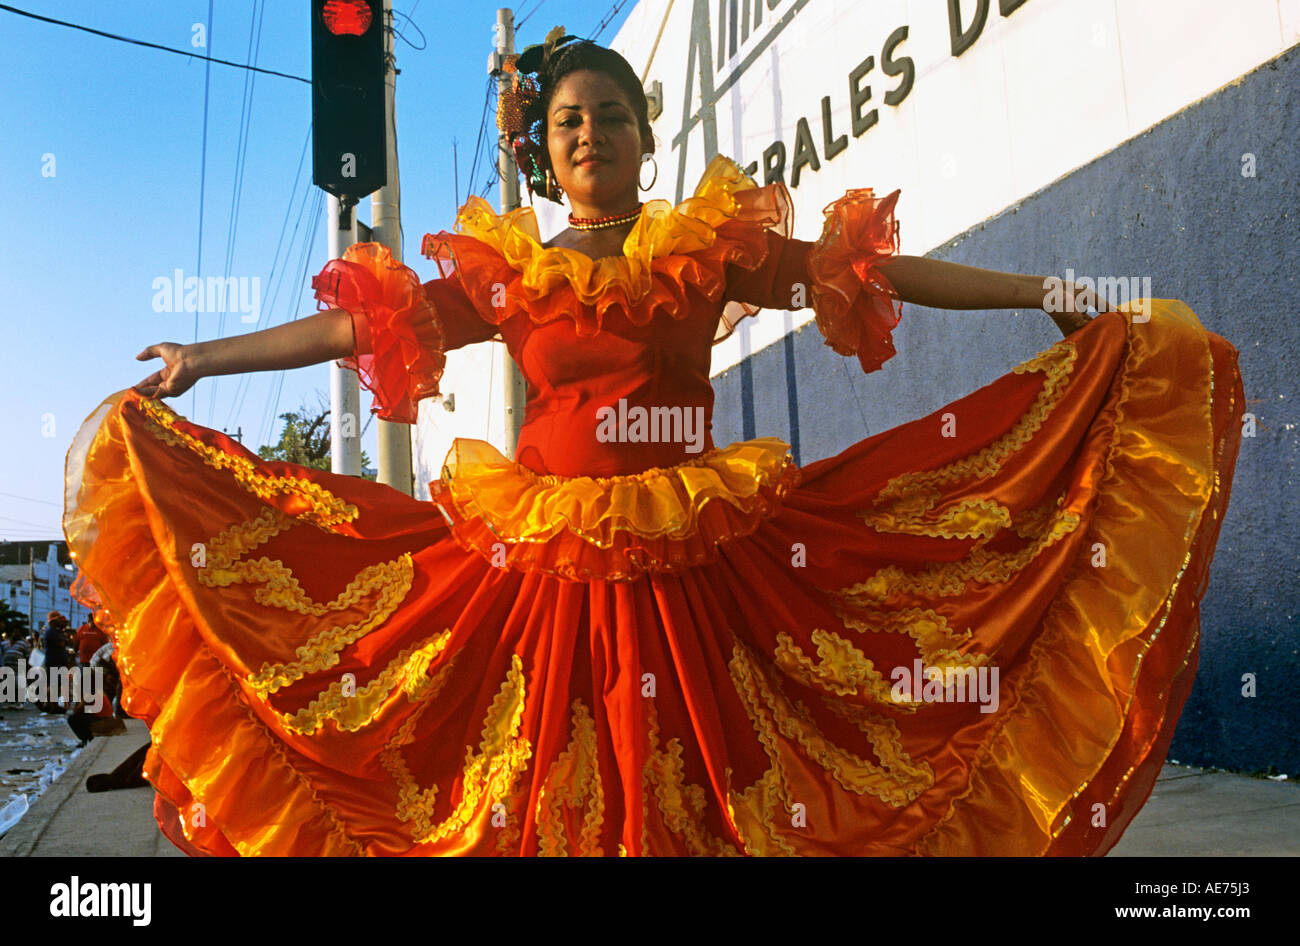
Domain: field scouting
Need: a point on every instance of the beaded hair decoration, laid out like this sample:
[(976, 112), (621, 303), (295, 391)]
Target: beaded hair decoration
[(514, 103)]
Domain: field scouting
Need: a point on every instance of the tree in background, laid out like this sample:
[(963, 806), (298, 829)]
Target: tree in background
[(305, 439)]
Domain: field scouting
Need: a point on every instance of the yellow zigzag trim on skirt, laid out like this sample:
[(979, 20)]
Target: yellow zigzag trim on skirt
[(950, 579), (681, 806), (573, 781), (405, 673), (488, 776), (325, 509), (907, 502), (763, 810)]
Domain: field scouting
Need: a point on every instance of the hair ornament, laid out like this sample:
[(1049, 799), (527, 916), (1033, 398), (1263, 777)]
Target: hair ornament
[(521, 93)]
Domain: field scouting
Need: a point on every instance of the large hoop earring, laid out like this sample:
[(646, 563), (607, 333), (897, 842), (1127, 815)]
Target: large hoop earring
[(644, 158), (553, 191)]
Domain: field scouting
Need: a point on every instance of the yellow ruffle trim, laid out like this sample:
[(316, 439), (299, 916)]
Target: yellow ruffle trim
[(149, 612), (611, 527), (662, 230), (1086, 684)]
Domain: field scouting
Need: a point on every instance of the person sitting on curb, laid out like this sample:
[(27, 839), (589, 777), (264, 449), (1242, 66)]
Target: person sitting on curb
[(102, 722)]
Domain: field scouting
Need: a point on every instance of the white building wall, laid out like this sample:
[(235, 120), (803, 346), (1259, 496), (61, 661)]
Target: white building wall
[(1041, 92)]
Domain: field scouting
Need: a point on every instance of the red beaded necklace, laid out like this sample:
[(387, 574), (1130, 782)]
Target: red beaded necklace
[(599, 223)]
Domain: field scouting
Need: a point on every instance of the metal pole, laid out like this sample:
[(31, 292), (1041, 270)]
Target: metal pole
[(345, 391), (515, 391), (386, 228)]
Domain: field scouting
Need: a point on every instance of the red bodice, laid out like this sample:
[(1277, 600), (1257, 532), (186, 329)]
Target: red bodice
[(616, 351)]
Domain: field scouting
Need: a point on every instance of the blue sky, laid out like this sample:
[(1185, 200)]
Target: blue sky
[(100, 170)]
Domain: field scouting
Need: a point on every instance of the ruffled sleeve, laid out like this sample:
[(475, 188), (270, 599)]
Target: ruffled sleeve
[(855, 305), (402, 328)]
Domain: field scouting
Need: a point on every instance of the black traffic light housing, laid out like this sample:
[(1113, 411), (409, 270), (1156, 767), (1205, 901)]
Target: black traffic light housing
[(347, 97)]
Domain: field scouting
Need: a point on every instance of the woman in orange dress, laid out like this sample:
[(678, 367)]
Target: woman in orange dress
[(970, 634)]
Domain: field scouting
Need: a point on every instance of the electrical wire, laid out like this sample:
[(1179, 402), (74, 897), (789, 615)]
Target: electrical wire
[(203, 180), (478, 145), (237, 189), (400, 36), (609, 18), (241, 393), (540, 4), (268, 426), (32, 499), (304, 211), (24, 522), (139, 42), (303, 264)]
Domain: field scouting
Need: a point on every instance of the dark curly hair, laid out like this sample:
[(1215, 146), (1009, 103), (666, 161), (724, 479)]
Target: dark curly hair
[(572, 57)]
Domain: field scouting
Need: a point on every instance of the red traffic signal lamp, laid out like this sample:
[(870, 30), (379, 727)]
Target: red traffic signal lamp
[(347, 18), (347, 97)]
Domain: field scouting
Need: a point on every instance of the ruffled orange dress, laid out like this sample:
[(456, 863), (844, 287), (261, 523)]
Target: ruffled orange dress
[(951, 638)]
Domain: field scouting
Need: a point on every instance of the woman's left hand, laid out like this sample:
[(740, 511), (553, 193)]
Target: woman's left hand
[(1069, 322), (1067, 304)]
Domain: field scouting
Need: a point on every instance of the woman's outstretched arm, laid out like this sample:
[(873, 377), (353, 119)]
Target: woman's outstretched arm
[(324, 336), (941, 285)]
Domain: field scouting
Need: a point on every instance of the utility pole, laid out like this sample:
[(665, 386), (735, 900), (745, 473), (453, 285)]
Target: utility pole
[(515, 392), (386, 228), (347, 80), (345, 390)]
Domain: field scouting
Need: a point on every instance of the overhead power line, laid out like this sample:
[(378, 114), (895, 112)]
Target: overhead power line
[(609, 17), (32, 499), (521, 22), (241, 154), (140, 42), (398, 33), (25, 522), (203, 180)]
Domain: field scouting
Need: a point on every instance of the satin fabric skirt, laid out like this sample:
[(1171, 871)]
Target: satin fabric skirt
[(969, 634)]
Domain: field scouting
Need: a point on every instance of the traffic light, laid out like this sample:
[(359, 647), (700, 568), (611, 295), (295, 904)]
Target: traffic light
[(347, 96)]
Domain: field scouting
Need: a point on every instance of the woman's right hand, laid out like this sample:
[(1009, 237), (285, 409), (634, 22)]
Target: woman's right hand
[(177, 375)]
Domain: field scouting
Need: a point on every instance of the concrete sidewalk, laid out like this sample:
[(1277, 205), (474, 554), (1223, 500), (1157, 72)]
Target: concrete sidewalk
[(1191, 813), (68, 821), (1199, 813)]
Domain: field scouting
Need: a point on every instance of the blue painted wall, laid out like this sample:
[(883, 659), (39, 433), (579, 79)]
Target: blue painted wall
[(1171, 204)]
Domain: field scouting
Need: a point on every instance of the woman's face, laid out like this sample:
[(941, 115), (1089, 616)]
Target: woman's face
[(591, 117)]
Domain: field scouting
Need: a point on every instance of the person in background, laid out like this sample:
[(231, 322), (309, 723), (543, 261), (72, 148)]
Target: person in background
[(102, 722), (17, 647), (90, 638), (56, 640), (130, 773), (17, 651), (57, 656)]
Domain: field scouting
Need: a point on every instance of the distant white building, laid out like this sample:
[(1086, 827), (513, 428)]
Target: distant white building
[(45, 578)]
